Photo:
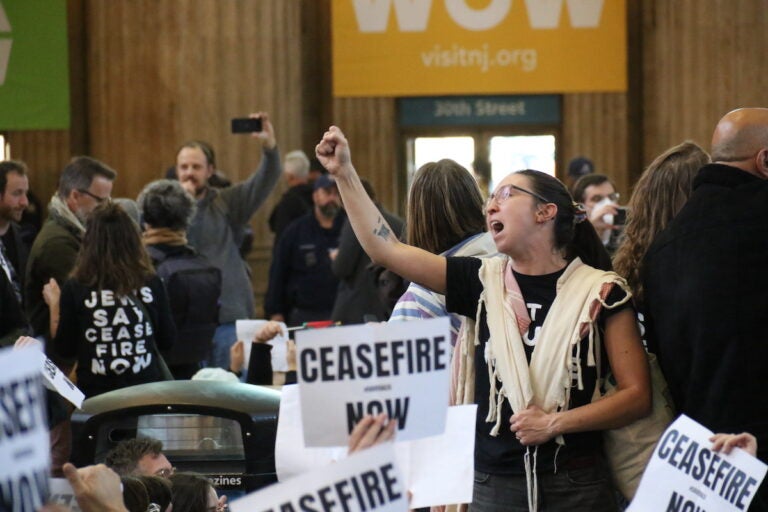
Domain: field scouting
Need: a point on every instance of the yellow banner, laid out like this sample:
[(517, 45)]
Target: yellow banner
[(432, 47)]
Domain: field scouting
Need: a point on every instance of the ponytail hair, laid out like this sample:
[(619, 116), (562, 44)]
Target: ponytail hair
[(573, 233)]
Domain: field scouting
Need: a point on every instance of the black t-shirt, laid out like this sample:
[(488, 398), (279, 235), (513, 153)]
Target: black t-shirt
[(503, 454), (114, 338)]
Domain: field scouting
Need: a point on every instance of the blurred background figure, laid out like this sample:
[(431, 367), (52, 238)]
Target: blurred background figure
[(297, 200), (358, 299), (302, 287), (192, 283), (601, 201), (578, 167)]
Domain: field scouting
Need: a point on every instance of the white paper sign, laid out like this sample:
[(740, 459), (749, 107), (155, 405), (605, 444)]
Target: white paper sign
[(400, 369), (292, 457), (24, 445), (441, 469), (246, 331), (685, 474), (62, 494), (437, 470), (55, 380), (367, 481)]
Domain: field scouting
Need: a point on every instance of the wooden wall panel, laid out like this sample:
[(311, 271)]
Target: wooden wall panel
[(165, 71), (45, 153), (595, 126), (702, 58), (370, 125)]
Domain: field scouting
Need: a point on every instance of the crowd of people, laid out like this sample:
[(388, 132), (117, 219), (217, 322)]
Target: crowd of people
[(551, 293)]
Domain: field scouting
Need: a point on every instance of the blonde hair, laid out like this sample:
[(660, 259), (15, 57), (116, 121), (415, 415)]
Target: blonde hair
[(659, 194)]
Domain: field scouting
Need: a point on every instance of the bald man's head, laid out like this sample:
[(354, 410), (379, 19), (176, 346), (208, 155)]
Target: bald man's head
[(739, 136)]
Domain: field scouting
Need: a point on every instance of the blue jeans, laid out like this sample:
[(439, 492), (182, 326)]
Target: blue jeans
[(223, 339), (569, 490)]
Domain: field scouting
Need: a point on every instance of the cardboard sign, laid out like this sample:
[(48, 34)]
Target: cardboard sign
[(247, 329), (24, 444), (62, 494), (400, 369), (366, 481), (436, 470), (685, 474)]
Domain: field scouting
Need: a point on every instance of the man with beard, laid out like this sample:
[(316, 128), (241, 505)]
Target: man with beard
[(218, 227), (302, 287), (14, 187), (84, 184)]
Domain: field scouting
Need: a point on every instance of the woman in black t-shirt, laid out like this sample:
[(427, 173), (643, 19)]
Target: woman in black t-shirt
[(550, 258), (113, 312)]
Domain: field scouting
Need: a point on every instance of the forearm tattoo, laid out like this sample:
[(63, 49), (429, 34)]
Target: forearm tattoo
[(382, 230)]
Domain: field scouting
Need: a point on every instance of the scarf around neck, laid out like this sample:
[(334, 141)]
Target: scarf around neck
[(155, 236), (59, 210), (546, 381)]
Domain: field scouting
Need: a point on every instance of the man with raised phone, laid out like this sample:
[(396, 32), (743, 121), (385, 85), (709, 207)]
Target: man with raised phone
[(221, 218)]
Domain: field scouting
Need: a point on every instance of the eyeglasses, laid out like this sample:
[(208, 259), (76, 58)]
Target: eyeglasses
[(165, 472), (614, 197), (502, 194), (94, 196)]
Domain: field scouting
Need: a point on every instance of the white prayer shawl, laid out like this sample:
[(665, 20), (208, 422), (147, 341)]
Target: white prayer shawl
[(546, 382)]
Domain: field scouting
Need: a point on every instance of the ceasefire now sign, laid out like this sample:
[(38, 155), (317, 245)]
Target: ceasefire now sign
[(34, 79), (434, 47)]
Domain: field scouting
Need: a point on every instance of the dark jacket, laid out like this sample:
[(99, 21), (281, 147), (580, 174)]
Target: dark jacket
[(358, 295), (20, 253), (296, 201), (706, 298), (52, 255), (13, 323), (193, 287), (300, 275)]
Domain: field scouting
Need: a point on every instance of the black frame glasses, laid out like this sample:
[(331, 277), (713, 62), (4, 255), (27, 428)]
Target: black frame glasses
[(502, 194), (94, 196)]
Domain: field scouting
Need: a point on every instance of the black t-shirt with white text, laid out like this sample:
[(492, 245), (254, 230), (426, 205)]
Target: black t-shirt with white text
[(114, 338), (503, 454)]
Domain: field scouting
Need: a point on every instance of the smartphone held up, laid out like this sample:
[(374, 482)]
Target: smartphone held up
[(246, 125), (620, 217)]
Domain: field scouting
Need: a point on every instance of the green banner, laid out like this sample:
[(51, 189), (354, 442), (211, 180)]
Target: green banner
[(34, 82)]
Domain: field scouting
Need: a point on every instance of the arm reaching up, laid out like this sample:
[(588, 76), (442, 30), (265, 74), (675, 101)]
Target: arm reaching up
[(373, 232)]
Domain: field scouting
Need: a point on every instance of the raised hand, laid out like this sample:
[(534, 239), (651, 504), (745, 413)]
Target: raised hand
[(333, 152), (267, 133), (96, 488)]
